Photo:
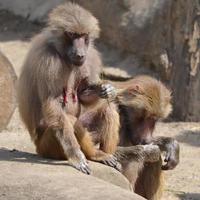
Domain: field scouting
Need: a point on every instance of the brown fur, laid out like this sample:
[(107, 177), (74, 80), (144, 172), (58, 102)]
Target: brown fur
[(46, 71), (145, 92), (75, 19), (142, 101), (97, 119)]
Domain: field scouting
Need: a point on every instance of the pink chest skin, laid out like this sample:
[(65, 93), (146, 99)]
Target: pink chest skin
[(70, 102), (71, 88), (73, 96)]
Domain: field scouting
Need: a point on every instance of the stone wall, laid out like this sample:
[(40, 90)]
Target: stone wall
[(162, 36)]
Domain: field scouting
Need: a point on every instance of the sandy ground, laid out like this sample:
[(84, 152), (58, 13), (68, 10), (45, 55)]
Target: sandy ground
[(182, 183)]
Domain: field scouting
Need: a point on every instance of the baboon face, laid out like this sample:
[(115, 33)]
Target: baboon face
[(144, 130), (143, 126), (77, 47)]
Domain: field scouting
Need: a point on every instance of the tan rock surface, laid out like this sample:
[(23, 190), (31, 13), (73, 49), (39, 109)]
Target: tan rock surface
[(26, 176), (7, 90)]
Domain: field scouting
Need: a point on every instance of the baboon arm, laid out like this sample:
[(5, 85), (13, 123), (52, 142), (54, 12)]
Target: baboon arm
[(92, 93), (171, 148), (89, 95), (139, 153)]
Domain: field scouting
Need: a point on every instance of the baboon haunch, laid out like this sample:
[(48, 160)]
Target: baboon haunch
[(63, 62)]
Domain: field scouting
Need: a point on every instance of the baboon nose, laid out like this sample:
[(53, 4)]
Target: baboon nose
[(79, 57)]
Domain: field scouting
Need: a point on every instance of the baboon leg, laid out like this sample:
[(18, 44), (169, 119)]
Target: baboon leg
[(88, 147), (62, 132), (149, 183), (109, 129), (48, 146), (130, 170), (109, 137), (141, 164), (47, 140)]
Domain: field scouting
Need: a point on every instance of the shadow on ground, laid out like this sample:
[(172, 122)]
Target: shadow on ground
[(188, 196), (24, 157), (190, 137)]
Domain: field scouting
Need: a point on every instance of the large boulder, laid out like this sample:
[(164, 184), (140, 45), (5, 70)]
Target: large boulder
[(27, 176), (7, 90)]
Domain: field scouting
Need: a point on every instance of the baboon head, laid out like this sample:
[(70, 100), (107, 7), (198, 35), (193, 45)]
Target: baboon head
[(147, 100), (76, 29)]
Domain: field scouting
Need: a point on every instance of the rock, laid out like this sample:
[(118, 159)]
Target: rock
[(32, 10), (8, 91), (110, 175), (27, 176), (33, 177), (162, 36)]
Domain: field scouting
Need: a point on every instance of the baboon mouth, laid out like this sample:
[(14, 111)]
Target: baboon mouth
[(78, 62)]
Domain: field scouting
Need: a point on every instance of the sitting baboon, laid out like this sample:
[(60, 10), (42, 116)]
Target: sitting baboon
[(142, 101), (62, 62)]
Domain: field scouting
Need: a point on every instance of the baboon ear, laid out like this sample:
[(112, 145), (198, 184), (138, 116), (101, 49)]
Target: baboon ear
[(134, 89)]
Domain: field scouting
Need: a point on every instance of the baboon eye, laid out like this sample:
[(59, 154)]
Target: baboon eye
[(86, 39), (70, 35), (155, 118)]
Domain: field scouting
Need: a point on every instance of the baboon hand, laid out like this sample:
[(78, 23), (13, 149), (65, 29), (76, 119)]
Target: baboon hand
[(112, 162), (151, 152), (79, 162), (171, 156), (108, 92)]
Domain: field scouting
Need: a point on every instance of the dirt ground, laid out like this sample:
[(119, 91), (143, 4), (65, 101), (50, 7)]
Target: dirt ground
[(182, 183)]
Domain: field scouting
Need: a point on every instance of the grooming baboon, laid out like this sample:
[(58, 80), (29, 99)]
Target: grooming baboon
[(141, 101), (62, 62)]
